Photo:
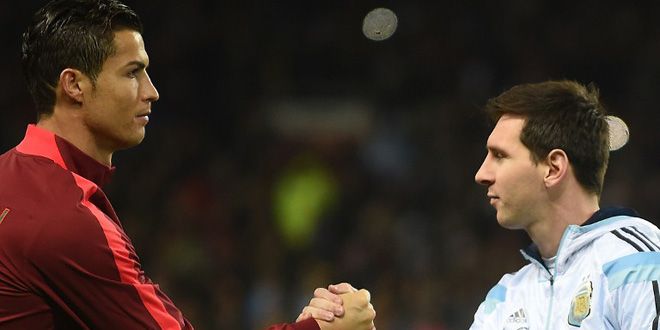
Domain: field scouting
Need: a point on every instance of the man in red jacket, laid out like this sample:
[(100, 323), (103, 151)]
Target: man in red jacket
[(65, 260)]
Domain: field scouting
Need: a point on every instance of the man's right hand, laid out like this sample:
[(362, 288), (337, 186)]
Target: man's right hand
[(358, 312)]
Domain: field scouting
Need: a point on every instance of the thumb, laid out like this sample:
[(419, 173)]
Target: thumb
[(341, 288)]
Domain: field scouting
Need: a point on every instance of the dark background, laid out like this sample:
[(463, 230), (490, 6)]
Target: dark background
[(288, 151)]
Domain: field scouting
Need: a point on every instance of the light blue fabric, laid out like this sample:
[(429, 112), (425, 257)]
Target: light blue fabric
[(494, 296), (637, 267)]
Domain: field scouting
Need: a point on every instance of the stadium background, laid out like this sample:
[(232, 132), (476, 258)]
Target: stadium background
[(288, 151)]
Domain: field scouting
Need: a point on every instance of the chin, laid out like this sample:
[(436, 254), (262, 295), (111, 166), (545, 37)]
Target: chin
[(138, 136), (136, 141), (508, 222), (129, 142)]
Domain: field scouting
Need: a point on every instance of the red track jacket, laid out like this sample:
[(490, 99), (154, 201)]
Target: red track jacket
[(65, 261)]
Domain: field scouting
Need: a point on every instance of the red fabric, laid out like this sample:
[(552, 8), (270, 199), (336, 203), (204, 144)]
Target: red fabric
[(124, 262), (309, 324), (65, 261)]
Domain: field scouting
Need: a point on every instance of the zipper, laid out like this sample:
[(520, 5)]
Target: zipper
[(552, 299), (552, 277), (568, 231)]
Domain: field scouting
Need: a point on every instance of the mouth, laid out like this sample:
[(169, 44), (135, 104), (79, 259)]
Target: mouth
[(493, 199), (143, 117)]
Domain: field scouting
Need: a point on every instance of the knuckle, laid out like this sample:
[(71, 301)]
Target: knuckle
[(315, 302), (364, 296)]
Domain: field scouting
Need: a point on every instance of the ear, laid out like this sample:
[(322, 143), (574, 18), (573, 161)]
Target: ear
[(557, 167), (71, 83)]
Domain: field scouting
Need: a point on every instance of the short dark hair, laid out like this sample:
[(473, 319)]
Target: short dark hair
[(562, 115), (74, 34)]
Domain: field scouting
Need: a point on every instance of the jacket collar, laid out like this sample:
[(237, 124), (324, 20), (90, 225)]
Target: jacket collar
[(532, 250), (41, 142), (609, 212)]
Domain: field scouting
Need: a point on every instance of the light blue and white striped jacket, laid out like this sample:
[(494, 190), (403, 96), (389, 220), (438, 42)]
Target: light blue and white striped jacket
[(606, 276)]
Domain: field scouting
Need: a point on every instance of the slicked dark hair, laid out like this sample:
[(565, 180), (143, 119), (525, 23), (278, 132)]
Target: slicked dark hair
[(562, 115), (75, 34)]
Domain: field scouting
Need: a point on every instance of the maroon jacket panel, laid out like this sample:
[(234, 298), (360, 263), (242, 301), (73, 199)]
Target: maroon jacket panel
[(65, 261)]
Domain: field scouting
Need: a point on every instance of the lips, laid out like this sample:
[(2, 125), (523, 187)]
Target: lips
[(143, 117)]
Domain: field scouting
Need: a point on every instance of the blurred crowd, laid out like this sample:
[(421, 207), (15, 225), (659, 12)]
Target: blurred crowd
[(288, 152)]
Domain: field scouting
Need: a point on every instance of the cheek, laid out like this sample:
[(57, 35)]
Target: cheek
[(123, 91), (123, 103), (126, 92), (528, 187), (521, 180)]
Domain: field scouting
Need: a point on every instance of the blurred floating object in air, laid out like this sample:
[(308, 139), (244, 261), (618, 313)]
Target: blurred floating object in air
[(619, 133), (379, 24)]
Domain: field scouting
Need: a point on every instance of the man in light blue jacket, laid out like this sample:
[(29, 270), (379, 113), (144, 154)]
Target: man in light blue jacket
[(590, 267)]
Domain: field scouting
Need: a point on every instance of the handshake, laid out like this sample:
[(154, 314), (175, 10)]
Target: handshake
[(340, 307)]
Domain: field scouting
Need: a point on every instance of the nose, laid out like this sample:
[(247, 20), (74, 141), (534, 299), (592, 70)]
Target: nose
[(484, 176), (150, 92)]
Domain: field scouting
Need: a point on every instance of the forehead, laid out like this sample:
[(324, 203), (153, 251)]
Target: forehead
[(129, 46), (507, 131)]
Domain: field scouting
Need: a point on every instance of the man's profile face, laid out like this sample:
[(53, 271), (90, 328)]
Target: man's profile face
[(515, 183), (116, 109)]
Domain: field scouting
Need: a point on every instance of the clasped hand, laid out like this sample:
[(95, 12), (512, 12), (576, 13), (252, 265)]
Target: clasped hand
[(341, 307)]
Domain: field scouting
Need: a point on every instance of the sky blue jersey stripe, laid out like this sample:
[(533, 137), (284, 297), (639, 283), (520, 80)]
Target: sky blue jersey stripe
[(494, 296), (637, 267)]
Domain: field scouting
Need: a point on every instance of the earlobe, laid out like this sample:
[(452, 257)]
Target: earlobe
[(71, 85), (557, 162)]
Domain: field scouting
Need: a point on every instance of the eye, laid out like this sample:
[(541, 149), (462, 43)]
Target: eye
[(134, 73), (499, 155)]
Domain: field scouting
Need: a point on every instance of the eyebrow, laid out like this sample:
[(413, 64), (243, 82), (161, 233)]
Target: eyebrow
[(495, 149), (139, 64)]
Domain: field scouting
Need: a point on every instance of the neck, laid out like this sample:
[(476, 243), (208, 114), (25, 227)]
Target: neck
[(569, 209), (73, 130)]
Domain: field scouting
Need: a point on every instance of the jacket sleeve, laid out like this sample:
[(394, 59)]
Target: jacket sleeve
[(487, 313), (308, 324), (633, 282), (479, 318)]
